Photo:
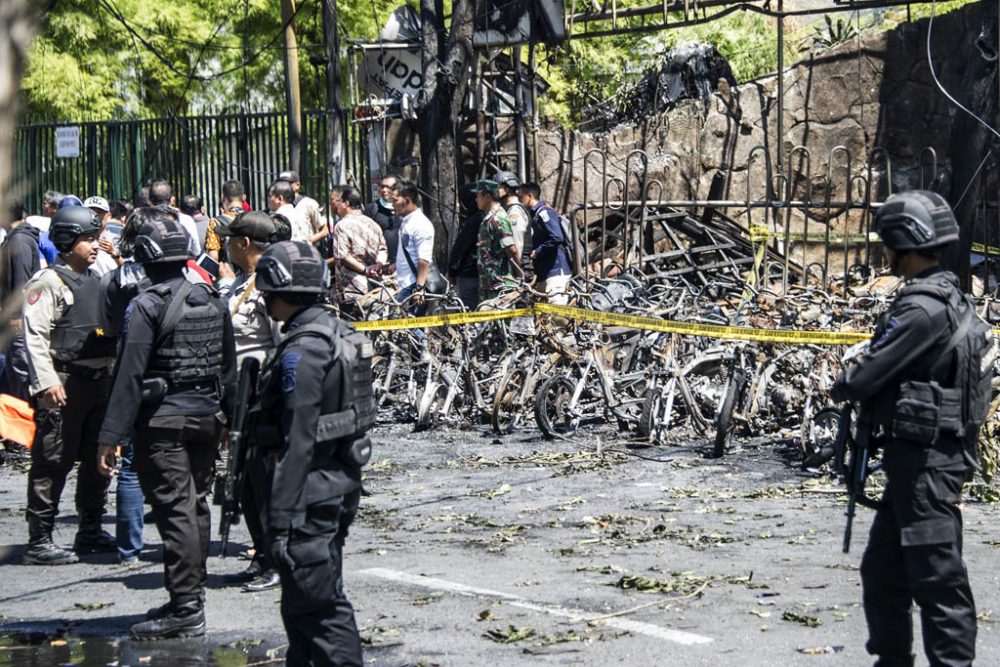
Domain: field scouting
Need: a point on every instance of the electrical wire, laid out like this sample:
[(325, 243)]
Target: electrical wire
[(930, 64), (246, 62)]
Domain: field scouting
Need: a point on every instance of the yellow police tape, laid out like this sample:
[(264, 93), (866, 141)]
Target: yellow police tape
[(471, 317), (793, 336), (985, 250)]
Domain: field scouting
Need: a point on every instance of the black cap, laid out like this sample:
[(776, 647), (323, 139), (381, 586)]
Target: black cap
[(290, 176), (255, 225)]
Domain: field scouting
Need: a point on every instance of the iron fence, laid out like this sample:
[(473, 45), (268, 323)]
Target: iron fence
[(196, 154)]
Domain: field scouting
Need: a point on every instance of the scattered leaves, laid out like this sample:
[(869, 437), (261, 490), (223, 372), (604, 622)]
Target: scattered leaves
[(502, 490), (510, 635), (422, 600), (802, 619), (820, 650)]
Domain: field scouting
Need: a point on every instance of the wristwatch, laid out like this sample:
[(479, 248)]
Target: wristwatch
[(418, 287)]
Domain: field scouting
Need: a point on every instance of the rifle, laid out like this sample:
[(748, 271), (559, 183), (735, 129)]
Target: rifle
[(236, 445), (856, 473)]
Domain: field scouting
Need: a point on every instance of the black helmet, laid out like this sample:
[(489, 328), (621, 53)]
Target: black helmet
[(69, 224), (161, 240), (291, 267), (916, 220), (507, 179)]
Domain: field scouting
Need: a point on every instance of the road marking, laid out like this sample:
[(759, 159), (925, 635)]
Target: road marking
[(637, 627)]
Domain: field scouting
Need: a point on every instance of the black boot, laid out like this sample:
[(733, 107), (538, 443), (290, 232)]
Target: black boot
[(181, 620), (159, 612), (253, 571), (91, 538), (41, 549), (267, 580)]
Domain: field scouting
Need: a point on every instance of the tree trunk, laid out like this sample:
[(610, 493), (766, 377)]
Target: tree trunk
[(446, 82), (334, 94), (970, 141), (293, 93), (19, 22)]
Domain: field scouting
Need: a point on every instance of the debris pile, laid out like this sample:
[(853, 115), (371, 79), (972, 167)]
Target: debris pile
[(685, 73)]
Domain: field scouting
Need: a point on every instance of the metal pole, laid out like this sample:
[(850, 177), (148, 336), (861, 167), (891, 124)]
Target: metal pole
[(519, 115), (779, 139), (334, 94), (293, 94)]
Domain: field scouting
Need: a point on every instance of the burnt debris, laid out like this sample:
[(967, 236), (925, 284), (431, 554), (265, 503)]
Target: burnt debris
[(684, 73)]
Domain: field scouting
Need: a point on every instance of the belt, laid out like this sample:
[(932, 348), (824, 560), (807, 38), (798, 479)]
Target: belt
[(83, 372)]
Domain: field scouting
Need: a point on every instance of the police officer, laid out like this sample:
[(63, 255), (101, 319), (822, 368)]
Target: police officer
[(914, 550), (69, 360), (256, 334), (316, 397), (172, 395)]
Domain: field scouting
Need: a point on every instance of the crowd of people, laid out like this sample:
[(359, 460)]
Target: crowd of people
[(131, 320)]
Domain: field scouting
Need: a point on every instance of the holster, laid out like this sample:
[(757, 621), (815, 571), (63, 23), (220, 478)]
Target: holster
[(153, 390), (924, 410)]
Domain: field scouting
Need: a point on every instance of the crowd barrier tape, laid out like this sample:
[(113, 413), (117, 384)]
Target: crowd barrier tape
[(791, 336), (985, 250), (471, 317)]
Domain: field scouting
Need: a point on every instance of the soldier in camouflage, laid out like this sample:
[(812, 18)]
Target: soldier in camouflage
[(498, 256)]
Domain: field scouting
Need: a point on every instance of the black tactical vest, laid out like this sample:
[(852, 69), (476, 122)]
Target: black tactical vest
[(188, 350), (78, 334), (348, 408)]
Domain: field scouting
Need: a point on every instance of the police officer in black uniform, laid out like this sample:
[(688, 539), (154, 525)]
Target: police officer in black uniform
[(914, 550), (172, 395), (316, 399), (69, 363)]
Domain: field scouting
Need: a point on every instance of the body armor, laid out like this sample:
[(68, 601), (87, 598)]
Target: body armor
[(78, 334), (189, 348), (349, 409)]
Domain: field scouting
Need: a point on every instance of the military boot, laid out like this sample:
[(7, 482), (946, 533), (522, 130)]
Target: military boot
[(91, 538), (41, 549), (182, 620)]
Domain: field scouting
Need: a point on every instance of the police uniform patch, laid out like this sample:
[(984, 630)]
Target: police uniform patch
[(890, 326), (289, 364), (34, 295)]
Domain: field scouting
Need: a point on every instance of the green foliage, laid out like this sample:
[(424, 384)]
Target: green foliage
[(833, 34), (594, 70), (898, 15), (86, 64)]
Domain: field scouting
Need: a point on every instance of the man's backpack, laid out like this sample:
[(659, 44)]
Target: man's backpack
[(566, 227)]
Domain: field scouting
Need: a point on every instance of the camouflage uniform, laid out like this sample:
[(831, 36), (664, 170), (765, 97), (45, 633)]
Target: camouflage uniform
[(495, 236)]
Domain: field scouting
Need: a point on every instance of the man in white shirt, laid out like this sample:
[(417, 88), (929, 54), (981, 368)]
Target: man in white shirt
[(279, 200), (161, 194), (306, 206), (50, 204), (415, 252)]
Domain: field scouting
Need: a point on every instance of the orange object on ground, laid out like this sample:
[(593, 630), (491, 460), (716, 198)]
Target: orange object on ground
[(17, 420)]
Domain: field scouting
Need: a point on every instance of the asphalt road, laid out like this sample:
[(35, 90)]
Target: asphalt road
[(475, 551)]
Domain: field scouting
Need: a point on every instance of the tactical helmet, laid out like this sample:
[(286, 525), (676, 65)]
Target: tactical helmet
[(161, 240), (292, 267), (507, 179), (69, 224), (916, 220), (69, 201)]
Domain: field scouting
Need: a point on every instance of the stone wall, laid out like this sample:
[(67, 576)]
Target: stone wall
[(846, 102)]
